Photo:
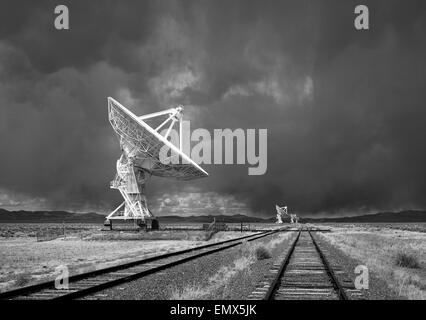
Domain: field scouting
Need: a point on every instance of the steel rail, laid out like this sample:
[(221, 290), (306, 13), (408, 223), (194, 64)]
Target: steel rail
[(335, 281), (275, 285), (276, 282)]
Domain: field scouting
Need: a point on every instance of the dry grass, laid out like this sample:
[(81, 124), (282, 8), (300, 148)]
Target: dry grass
[(396, 256), (188, 293), (23, 279), (221, 278), (25, 256), (262, 253), (180, 235), (247, 255), (407, 260), (25, 261)]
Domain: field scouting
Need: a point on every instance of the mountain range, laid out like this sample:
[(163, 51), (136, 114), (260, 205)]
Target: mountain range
[(64, 216)]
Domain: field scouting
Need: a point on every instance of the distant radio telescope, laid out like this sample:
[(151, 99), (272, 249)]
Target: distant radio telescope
[(140, 145), (282, 212)]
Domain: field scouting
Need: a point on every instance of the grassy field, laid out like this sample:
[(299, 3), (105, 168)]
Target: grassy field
[(223, 282), (418, 227), (393, 253), (24, 260)]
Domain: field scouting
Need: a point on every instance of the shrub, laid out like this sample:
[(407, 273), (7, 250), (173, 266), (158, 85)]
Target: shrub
[(262, 253), (245, 249), (407, 260)]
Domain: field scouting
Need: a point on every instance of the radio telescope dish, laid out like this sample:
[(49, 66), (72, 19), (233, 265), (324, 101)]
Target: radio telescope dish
[(282, 212), (140, 158)]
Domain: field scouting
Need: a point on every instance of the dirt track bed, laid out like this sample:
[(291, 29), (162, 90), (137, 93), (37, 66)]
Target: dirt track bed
[(230, 274)]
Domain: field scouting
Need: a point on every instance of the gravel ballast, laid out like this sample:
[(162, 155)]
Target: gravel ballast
[(198, 274)]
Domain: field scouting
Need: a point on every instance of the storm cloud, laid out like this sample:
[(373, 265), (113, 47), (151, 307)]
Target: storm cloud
[(345, 109)]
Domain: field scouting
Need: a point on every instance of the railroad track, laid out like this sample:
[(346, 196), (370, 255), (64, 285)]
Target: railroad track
[(89, 283), (304, 273)]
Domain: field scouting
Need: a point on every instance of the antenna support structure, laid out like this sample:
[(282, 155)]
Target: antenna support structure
[(283, 212), (140, 146)]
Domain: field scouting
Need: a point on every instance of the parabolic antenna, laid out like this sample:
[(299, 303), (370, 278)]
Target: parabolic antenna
[(282, 212), (140, 158)]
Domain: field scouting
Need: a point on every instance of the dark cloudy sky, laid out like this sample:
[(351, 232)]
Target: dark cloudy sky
[(345, 109)]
